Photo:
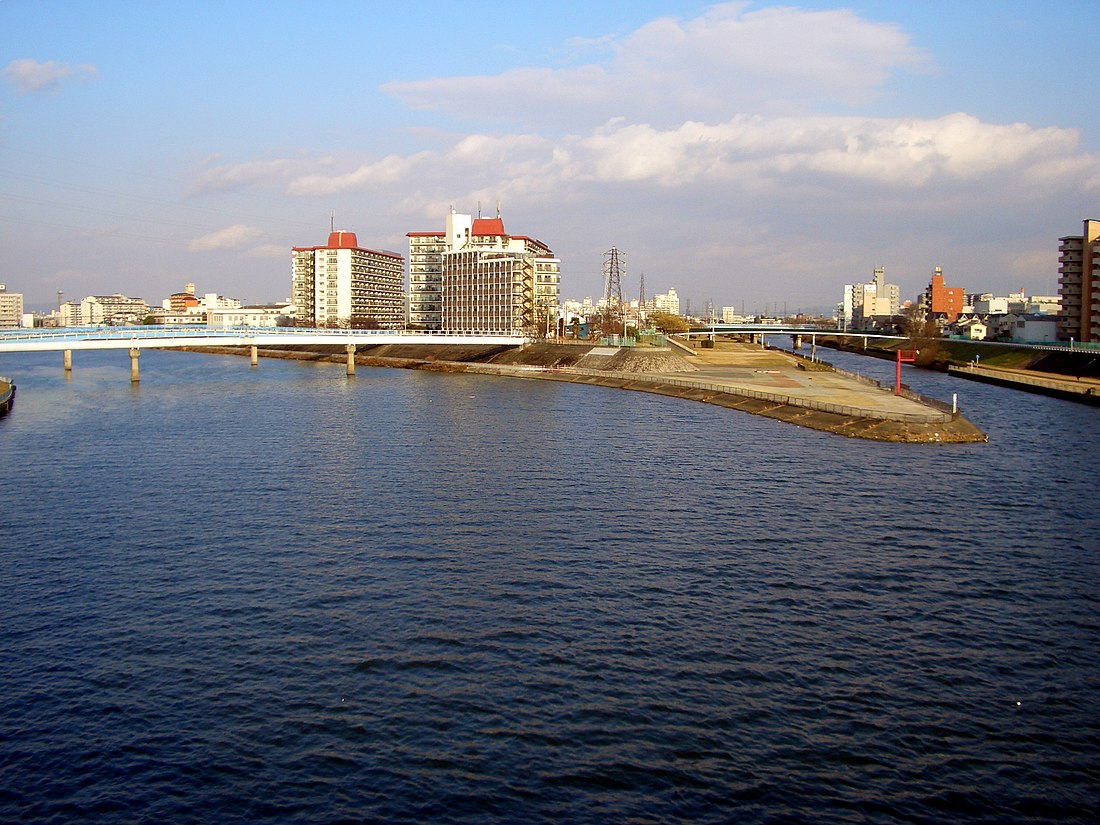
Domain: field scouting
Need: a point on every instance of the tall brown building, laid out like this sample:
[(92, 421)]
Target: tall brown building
[(942, 300), (1079, 284)]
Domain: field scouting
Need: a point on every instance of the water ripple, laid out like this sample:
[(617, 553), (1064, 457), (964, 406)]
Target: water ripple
[(416, 597)]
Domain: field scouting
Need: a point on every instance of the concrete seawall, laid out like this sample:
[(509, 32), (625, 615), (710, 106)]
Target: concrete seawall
[(7, 395), (1083, 391), (770, 384)]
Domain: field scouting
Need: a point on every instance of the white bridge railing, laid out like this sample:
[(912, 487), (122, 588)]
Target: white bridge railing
[(158, 337)]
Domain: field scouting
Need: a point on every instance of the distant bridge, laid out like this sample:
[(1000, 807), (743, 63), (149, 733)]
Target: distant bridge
[(804, 331), (137, 338), (782, 329)]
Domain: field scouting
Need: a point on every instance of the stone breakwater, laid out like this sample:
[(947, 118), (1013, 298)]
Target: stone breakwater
[(766, 383)]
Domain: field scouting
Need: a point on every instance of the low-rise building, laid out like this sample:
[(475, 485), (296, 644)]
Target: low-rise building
[(259, 315), (731, 315), (1026, 329), (989, 305), (973, 329)]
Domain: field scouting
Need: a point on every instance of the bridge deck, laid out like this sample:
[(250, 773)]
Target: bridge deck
[(93, 338)]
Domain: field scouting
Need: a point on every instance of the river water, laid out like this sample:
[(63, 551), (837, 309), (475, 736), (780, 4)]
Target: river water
[(277, 594)]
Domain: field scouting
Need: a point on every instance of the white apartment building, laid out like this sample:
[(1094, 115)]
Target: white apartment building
[(96, 310), (990, 305), (731, 315), (864, 304), (426, 279), (344, 285), (475, 277), (11, 308), (582, 310), (260, 315), (667, 302)]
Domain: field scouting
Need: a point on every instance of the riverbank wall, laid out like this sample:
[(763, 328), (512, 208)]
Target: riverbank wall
[(7, 395), (654, 370), (1083, 391), (1072, 375)]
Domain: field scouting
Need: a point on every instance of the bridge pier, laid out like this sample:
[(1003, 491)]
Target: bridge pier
[(351, 359), (68, 360), (254, 355), (135, 353), (797, 341)]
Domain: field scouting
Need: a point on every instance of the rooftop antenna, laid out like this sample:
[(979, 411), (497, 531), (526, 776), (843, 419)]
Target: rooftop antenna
[(479, 210), (59, 294), (332, 221), (498, 208)]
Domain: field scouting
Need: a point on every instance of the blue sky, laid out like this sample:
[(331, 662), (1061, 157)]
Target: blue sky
[(743, 153)]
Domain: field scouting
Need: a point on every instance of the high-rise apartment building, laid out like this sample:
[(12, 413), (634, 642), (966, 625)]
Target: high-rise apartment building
[(344, 285), (1079, 284), (11, 308), (474, 276), (426, 279)]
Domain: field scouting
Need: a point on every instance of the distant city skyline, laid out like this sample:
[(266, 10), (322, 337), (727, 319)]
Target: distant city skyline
[(742, 153)]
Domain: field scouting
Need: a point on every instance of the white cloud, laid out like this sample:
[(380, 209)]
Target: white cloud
[(389, 170), (719, 151), (904, 153), (29, 75), (727, 60), (252, 173), (810, 159), (267, 250), (228, 238)]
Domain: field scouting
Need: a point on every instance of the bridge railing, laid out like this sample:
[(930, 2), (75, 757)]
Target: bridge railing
[(200, 331)]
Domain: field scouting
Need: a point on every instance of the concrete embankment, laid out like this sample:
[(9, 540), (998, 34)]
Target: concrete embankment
[(7, 395), (768, 383), (1082, 390), (1073, 375)]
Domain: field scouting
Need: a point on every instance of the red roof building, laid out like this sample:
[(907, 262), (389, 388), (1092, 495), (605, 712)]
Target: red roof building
[(344, 285), (474, 276)]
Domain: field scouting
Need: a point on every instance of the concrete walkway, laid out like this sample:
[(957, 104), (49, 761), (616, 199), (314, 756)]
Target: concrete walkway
[(1084, 389), (748, 367)]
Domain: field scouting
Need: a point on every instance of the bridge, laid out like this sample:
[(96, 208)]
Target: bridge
[(783, 329), (134, 339), (801, 331), (797, 332)]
